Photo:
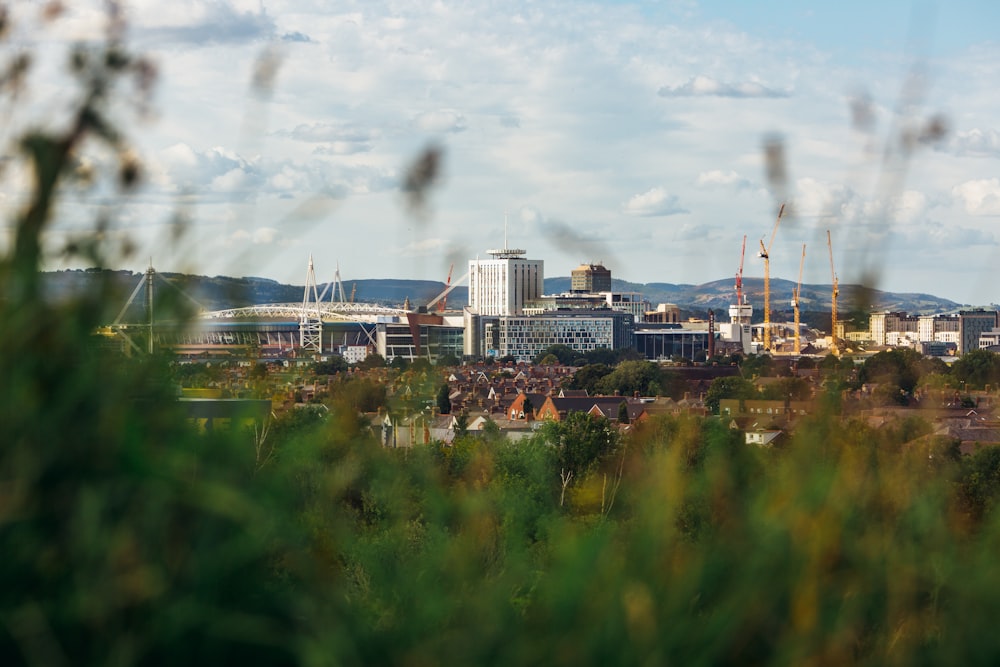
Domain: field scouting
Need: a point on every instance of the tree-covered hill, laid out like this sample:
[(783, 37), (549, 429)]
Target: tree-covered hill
[(218, 292)]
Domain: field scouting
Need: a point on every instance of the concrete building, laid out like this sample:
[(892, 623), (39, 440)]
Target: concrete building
[(888, 327), (972, 324), (665, 313), (961, 332), (590, 278), (504, 284), (665, 341), (524, 337), (938, 329)]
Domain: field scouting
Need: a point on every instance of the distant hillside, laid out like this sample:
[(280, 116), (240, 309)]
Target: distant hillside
[(215, 293), (719, 294)]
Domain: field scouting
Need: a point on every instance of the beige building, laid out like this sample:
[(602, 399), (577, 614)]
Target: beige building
[(590, 278)]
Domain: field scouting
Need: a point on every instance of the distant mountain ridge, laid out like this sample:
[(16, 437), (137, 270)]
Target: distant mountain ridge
[(220, 292)]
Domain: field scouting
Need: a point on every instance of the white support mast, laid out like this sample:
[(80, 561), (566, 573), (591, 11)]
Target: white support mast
[(311, 322)]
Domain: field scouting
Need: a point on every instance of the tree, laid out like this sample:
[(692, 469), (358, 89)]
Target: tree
[(899, 369), (372, 360), (728, 387), (758, 365), (623, 413), (791, 388), (334, 365), (461, 423), (448, 360), (564, 353), (581, 441), (977, 368), (588, 377), (443, 399), (630, 377)]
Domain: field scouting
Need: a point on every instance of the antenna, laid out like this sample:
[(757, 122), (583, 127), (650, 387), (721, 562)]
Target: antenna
[(505, 246)]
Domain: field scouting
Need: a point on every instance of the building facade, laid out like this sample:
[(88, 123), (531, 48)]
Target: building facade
[(524, 337), (590, 278), (661, 342), (504, 284), (972, 324)]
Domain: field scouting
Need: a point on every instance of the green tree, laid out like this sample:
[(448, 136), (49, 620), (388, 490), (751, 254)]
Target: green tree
[(372, 360), (564, 353), (897, 369), (728, 387), (758, 365), (336, 364), (444, 400), (588, 377), (629, 377), (581, 441), (448, 361), (791, 388), (461, 423), (977, 368), (623, 413)]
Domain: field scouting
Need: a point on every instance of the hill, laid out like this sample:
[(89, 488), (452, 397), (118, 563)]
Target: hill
[(218, 292)]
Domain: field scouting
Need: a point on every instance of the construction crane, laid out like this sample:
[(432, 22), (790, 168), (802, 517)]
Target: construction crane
[(447, 284), (833, 302), (447, 290), (795, 301), (765, 252)]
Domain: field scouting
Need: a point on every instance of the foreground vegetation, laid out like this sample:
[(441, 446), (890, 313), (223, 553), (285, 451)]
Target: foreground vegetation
[(129, 537)]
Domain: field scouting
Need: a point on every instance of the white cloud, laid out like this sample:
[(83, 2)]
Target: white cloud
[(202, 23), (265, 235), (440, 122), (706, 86), (653, 202), (717, 177), (975, 143), (910, 206), (423, 248), (979, 197)]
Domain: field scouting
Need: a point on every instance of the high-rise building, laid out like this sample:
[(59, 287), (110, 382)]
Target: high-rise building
[(971, 325), (590, 278), (504, 284)]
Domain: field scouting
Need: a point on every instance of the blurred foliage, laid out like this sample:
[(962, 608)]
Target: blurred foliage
[(130, 537)]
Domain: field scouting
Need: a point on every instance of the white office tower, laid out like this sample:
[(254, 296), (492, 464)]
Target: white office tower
[(504, 284), (739, 330)]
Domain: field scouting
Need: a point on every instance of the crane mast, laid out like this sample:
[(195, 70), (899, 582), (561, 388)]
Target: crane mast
[(833, 301), (765, 253), (795, 301), (447, 284)]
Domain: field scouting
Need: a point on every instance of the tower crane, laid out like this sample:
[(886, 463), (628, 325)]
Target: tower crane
[(765, 252), (447, 284), (795, 301), (833, 301)]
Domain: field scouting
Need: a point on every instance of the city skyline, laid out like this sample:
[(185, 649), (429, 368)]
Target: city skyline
[(627, 133)]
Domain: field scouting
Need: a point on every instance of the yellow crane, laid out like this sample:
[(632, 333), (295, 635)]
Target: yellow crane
[(765, 252), (795, 301), (833, 302)]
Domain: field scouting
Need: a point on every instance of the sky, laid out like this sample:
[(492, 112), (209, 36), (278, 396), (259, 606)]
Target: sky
[(648, 136)]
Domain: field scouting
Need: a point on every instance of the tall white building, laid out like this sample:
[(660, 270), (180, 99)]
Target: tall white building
[(504, 284)]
